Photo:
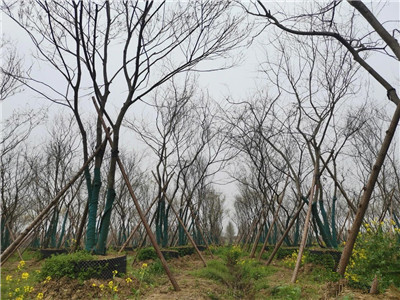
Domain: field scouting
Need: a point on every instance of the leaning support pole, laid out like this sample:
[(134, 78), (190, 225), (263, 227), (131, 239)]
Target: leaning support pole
[(280, 242), (136, 202), (313, 194), (11, 249), (197, 223), (183, 225), (274, 219), (140, 221), (363, 205)]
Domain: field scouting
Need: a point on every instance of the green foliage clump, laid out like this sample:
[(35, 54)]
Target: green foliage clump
[(156, 268), (63, 265), (324, 269), (325, 260), (215, 270), (286, 292), (242, 275), (184, 250), (376, 253), (290, 260), (232, 256), (147, 253)]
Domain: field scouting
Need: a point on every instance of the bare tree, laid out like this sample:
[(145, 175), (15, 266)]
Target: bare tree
[(11, 69), (158, 42), (15, 172), (322, 21)]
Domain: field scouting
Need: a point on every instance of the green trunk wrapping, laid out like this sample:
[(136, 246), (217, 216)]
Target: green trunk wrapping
[(105, 223), (165, 233), (181, 231), (5, 235), (297, 233), (275, 234), (92, 210), (333, 225), (286, 239), (264, 234), (321, 227), (53, 234), (48, 238), (326, 225), (161, 220), (158, 223), (62, 231)]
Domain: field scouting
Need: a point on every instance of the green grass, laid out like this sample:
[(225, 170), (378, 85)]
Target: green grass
[(287, 292), (21, 276)]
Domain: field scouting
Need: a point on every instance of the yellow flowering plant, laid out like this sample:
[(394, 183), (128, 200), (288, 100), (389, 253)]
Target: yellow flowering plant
[(376, 252), (18, 284)]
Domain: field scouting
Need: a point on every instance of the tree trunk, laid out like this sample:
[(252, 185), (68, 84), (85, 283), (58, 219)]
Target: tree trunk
[(308, 216), (362, 208)]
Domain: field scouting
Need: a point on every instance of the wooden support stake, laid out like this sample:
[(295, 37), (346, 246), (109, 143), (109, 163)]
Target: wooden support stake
[(136, 202), (182, 224), (199, 228), (14, 245), (273, 220)]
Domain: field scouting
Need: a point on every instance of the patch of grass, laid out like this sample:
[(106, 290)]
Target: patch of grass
[(19, 281), (215, 270), (287, 292)]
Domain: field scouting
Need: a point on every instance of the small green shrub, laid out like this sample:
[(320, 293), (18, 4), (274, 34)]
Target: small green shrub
[(184, 250), (233, 255), (215, 270), (63, 265), (325, 260), (147, 253), (376, 252), (286, 292), (290, 260), (156, 268)]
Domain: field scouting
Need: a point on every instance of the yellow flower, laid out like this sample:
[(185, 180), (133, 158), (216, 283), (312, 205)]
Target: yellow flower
[(38, 271), (128, 280), (110, 284), (17, 290), (101, 286), (28, 289), (22, 263), (115, 272), (39, 296), (115, 289), (144, 266), (10, 294), (48, 278), (25, 275), (94, 284), (9, 278), (19, 298)]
